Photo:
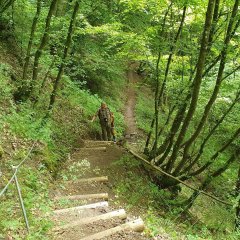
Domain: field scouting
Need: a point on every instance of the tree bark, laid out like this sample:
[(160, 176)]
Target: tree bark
[(210, 178), (205, 141), (172, 48), (43, 43), (33, 29), (214, 157), (65, 55), (196, 84), (215, 91), (159, 92), (156, 104)]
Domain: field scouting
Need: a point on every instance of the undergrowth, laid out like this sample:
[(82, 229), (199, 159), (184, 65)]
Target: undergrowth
[(162, 219), (21, 126)]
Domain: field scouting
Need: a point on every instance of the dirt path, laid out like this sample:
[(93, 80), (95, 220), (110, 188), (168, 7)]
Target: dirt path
[(90, 162), (129, 113)]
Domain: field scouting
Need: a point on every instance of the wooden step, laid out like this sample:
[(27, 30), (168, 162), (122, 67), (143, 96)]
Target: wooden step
[(83, 197), (119, 213), (93, 149), (89, 142), (90, 180), (136, 225), (88, 206)]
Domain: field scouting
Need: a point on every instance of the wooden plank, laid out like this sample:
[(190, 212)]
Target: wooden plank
[(97, 142), (94, 149), (88, 206), (89, 180), (82, 197), (119, 213), (136, 225)]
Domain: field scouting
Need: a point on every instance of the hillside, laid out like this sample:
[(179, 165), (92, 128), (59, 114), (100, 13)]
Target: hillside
[(160, 76)]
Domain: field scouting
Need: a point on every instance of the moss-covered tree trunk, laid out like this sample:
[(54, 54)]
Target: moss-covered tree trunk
[(157, 86), (65, 55), (43, 43), (196, 84), (30, 43), (215, 92)]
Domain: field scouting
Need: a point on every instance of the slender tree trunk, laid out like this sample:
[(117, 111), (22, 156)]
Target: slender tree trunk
[(156, 102), (169, 140), (30, 43), (210, 178), (171, 55), (157, 87), (214, 24), (196, 84), (65, 55), (214, 157), (153, 150), (159, 92), (215, 91), (43, 43), (205, 141), (41, 89)]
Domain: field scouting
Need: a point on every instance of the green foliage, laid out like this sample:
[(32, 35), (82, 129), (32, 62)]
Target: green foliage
[(35, 194), (108, 36), (144, 109)]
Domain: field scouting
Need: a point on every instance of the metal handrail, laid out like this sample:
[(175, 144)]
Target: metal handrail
[(15, 179)]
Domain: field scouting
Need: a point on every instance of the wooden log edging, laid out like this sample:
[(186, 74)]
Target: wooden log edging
[(90, 180), (88, 206), (178, 180), (93, 149), (83, 197), (136, 225), (114, 214)]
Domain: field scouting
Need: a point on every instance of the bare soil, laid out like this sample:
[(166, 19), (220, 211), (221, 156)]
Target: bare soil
[(129, 112)]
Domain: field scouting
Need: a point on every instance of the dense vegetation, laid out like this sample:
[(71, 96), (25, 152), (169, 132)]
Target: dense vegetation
[(59, 59)]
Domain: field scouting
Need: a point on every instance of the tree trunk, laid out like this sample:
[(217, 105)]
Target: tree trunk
[(210, 178), (65, 55), (43, 43), (33, 29), (215, 91), (157, 86), (201, 149), (159, 92), (214, 157), (196, 84), (171, 55)]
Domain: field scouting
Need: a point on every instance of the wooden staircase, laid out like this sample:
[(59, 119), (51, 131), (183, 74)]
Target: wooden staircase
[(93, 218)]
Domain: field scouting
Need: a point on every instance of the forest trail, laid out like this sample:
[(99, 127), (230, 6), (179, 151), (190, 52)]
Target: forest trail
[(129, 113), (85, 204)]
